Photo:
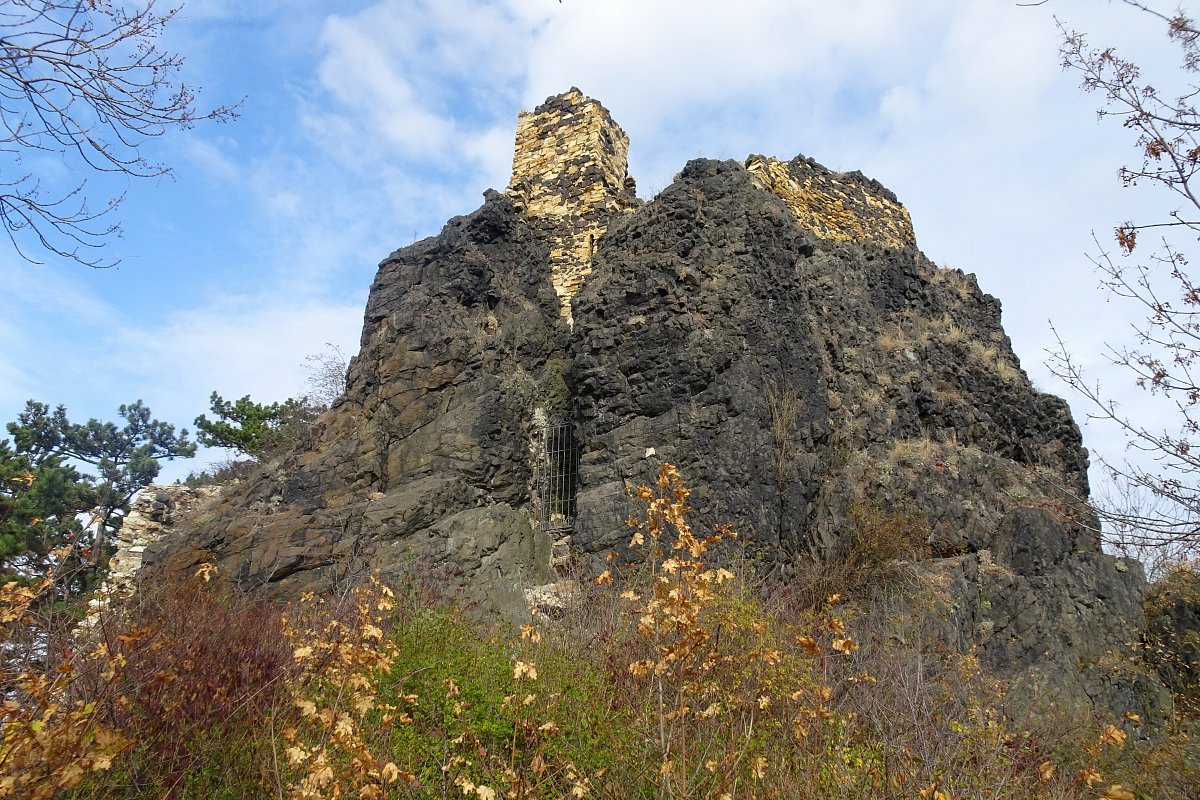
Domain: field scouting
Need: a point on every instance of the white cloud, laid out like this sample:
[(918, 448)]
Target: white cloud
[(50, 289), (413, 79), (364, 78), (209, 155), (239, 346), (492, 150), (285, 203), (15, 387)]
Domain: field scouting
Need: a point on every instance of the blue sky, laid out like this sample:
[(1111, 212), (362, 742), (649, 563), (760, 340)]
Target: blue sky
[(366, 124)]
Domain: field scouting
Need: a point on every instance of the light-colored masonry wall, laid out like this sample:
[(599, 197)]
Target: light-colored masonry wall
[(152, 517), (846, 208), (570, 171)]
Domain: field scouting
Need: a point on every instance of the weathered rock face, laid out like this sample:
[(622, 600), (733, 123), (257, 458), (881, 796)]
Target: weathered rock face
[(1034, 606), (769, 327), (427, 457), (794, 377)]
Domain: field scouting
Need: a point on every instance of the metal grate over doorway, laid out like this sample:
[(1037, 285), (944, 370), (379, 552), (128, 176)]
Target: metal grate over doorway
[(556, 475)]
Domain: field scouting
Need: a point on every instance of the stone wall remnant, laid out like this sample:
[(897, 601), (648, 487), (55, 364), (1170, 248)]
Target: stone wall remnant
[(845, 207), (152, 517), (570, 170)]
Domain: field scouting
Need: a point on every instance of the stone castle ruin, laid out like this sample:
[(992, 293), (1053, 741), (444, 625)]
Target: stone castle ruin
[(570, 171), (769, 327)]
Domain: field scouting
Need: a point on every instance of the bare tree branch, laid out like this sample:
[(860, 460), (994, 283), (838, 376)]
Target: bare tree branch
[(1156, 504), (86, 80)]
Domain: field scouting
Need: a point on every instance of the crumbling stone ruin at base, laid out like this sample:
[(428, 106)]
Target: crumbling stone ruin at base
[(771, 329), (845, 208), (153, 517)]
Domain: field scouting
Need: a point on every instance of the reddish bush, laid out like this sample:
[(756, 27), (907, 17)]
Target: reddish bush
[(200, 669)]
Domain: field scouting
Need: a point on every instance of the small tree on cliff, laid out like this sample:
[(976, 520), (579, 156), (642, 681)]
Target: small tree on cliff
[(255, 429), (1153, 275), (86, 81), (326, 375)]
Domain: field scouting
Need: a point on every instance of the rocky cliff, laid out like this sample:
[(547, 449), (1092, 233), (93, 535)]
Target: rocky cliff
[(770, 327)]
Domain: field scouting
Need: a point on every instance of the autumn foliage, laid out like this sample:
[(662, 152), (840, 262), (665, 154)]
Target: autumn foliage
[(677, 673)]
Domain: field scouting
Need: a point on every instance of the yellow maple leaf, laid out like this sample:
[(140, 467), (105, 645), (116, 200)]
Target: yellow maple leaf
[(322, 777), (845, 646), (1113, 736), (68, 776), (809, 645), (799, 728)]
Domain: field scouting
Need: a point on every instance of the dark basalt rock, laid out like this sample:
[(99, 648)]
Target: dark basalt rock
[(425, 461), (793, 380), (789, 378)]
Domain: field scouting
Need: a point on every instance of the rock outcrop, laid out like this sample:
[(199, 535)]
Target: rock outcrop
[(769, 327)]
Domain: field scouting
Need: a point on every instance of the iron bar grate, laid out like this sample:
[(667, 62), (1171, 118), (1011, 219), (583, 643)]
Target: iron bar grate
[(556, 476)]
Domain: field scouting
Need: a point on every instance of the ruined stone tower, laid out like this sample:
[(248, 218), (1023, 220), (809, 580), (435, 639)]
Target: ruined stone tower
[(570, 172)]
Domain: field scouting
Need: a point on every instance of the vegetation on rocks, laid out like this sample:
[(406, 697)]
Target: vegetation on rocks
[(677, 672), (259, 430)]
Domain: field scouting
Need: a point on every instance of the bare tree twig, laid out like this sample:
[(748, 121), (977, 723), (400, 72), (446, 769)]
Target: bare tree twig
[(86, 80), (1158, 483)]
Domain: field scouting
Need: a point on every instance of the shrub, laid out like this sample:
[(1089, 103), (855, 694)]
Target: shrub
[(1173, 636), (50, 739), (202, 672), (876, 551)]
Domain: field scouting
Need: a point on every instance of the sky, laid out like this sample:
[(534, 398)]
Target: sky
[(365, 125)]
